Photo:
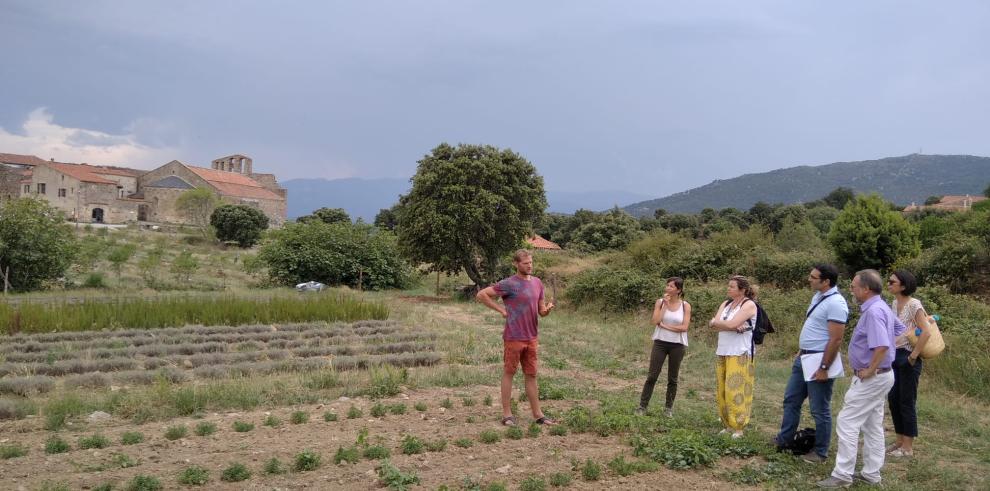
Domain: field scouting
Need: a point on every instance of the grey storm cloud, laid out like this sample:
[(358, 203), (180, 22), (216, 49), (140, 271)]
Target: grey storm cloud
[(649, 97)]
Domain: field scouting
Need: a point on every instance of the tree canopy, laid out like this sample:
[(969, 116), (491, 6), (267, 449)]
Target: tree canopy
[(327, 215), (469, 206), (868, 234), (839, 197), (239, 223), (36, 245)]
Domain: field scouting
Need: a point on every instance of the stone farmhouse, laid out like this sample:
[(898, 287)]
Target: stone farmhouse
[(108, 194)]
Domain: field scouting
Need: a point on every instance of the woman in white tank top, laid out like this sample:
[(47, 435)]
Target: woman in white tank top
[(734, 371), (671, 316)]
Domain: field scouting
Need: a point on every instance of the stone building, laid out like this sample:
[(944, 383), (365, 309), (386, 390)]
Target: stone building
[(108, 194)]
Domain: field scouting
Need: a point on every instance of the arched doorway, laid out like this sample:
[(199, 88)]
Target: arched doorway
[(142, 213), (97, 215)]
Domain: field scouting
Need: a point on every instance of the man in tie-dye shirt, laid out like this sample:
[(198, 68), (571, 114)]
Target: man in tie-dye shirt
[(524, 304)]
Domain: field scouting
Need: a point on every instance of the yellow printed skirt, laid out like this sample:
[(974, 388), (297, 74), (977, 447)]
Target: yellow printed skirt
[(734, 377)]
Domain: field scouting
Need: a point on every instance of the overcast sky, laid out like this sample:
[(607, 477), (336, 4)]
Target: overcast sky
[(650, 97)]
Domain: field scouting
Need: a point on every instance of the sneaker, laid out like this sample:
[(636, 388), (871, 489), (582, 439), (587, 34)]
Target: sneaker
[(900, 453), (812, 457), (832, 482), (858, 477), (737, 435), (640, 411), (669, 412)]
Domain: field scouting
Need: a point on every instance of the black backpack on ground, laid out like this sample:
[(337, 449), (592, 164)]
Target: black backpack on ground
[(802, 442)]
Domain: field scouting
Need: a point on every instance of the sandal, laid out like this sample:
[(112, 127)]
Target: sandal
[(543, 420), (509, 421)]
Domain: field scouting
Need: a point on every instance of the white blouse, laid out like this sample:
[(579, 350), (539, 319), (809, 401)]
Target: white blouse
[(670, 318), (731, 343)]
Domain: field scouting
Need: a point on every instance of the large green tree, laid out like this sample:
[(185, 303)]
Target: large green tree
[(36, 245), (326, 215), (868, 234), (469, 206), (334, 253), (239, 223)]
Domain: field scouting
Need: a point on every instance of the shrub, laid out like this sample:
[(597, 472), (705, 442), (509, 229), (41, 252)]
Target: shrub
[(242, 426), (205, 428), (397, 408), (868, 234), (514, 433), (350, 455), (446, 403), (274, 466), (194, 476), (387, 380), (411, 445), (395, 479), (176, 432), (561, 479), (307, 460), (533, 483), (235, 473), (131, 438), (95, 280), (239, 223), (12, 451), (55, 445), (377, 452), (467, 402), (353, 413), (420, 406), (488, 401), (490, 436), (272, 421), (464, 442), (378, 410), (299, 417), (27, 386), (141, 482), (38, 246), (558, 430), (591, 470), (436, 445), (94, 441), (329, 416), (16, 409), (534, 430)]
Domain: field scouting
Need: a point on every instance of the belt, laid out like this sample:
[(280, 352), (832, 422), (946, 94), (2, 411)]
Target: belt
[(883, 370), (810, 351)]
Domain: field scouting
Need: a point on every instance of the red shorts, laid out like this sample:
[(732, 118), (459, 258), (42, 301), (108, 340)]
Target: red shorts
[(524, 352)]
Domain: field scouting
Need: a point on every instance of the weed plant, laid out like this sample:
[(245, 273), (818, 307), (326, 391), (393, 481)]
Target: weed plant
[(121, 461), (561, 479), (591, 470), (378, 410), (446, 403), (307, 460), (558, 430), (12, 451), (235, 473), (395, 479), (622, 467), (353, 413), (243, 426), (387, 380), (398, 408), (205, 428), (464, 442), (467, 402), (176, 432), (351, 455), (194, 476), (273, 466), (490, 436), (678, 449), (514, 433), (272, 421), (93, 441), (411, 445), (420, 406), (533, 483), (377, 452), (436, 445), (534, 430), (142, 482), (488, 401), (131, 438), (299, 417), (329, 416), (54, 445)]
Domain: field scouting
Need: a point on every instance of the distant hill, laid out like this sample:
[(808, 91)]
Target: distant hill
[(364, 197), (902, 180)]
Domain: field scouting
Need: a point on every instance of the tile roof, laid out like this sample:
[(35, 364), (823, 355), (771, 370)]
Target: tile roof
[(173, 182), (112, 170), (81, 172), (541, 243), (234, 184), (13, 158)]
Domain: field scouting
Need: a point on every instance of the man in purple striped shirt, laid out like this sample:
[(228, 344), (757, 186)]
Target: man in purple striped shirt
[(871, 352)]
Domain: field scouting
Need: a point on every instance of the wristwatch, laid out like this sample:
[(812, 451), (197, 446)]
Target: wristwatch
[(824, 367)]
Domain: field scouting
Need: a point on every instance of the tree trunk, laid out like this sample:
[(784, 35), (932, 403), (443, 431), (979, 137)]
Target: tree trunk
[(438, 284), (6, 279), (472, 271)]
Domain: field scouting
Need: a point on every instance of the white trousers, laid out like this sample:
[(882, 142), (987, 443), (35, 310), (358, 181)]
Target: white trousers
[(862, 411)]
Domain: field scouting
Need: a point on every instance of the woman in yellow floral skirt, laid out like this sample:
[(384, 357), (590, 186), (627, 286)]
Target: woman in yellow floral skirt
[(734, 370)]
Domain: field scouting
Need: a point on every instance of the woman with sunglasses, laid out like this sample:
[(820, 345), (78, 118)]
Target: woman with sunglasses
[(903, 396)]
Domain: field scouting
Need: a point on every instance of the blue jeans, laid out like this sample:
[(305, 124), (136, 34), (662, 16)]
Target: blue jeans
[(819, 395)]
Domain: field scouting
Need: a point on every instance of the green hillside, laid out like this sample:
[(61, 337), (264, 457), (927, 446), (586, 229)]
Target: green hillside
[(903, 180)]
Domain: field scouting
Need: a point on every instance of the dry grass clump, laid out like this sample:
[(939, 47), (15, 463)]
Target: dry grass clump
[(94, 380), (16, 408), (27, 386), (211, 372)]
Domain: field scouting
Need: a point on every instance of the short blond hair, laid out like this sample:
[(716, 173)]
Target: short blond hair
[(518, 256)]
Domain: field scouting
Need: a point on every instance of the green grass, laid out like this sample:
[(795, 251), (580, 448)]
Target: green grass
[(353, 413), (307, 460), (350, 455), (131, 438), (299, 417), (329, 416), (54, 445), (272, 421), (377, 452), (411, 445), (194, 476), (175, 311), (274, 466), (12, 451), (490, 436), (420, 406), (464, 442), (235, 473), (93, 441), (243, 426), (143, 483), (205, 428), (176, 432)]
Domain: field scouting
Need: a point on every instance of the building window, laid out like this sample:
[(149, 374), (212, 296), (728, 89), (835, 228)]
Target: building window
[(41, 188), (27, 189), (61, 192)]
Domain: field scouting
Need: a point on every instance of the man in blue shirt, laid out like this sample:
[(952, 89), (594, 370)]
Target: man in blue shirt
[(825, 321)]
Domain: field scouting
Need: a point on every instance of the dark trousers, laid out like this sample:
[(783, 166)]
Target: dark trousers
[(661, 351), (819, 396), (904, 394)]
